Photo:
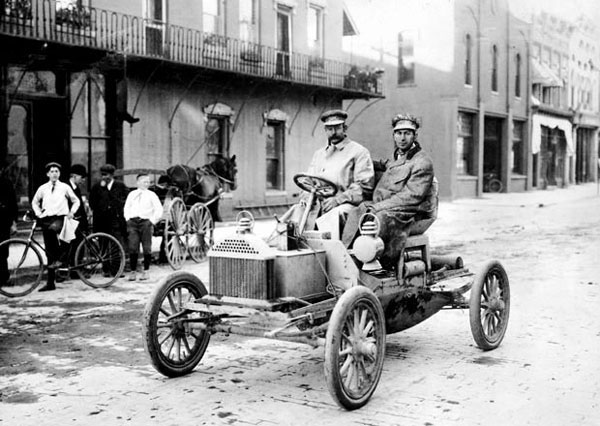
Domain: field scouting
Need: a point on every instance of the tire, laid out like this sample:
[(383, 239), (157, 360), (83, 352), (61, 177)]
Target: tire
[(355, 347), (489, 306), (173, 347), (200, 232), (495, 185), (25, 268), (175, 233), (99, 260)]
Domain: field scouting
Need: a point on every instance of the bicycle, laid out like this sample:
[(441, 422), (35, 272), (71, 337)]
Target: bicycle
[(99, 261)]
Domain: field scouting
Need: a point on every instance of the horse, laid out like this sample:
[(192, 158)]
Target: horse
[(205, 184)]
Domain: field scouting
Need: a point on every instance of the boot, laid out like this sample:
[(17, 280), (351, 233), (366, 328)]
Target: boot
[(48, 287)]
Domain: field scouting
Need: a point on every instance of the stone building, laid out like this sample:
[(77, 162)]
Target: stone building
[(152, 83)]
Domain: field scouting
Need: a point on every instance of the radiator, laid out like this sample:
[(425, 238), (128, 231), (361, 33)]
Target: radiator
[(242, 265)]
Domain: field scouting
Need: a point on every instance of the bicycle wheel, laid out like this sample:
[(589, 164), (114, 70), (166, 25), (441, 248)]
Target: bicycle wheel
[(25, 267), (495, 185), (99, 260)]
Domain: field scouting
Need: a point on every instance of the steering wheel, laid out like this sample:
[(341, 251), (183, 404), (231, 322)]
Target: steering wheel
[(321, 187)]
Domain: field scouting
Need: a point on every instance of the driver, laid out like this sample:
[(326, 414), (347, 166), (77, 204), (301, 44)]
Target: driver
[(345, 163), (405, 198)]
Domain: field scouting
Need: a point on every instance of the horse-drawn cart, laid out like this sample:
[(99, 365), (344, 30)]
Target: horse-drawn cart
[(320, 293), (188, 195)]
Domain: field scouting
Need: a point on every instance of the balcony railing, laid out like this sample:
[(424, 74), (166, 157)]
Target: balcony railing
[(117, 32)]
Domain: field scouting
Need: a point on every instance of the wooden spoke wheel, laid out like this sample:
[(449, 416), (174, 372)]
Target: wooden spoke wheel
[(173, 345), (175, 233), (200, 231), (355, 347), (489, 305)]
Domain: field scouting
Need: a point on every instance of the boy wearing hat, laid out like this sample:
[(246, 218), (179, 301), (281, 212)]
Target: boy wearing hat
[(107, 199), (78, 174), (405, 194), (344, 162), (51, 204)]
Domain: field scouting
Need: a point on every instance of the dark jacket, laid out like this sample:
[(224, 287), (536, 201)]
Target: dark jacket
[(8, 203), (108, 205), (80, 214)]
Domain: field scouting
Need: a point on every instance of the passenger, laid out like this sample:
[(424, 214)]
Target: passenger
[(345, 163), (142, 211), (405, 198)]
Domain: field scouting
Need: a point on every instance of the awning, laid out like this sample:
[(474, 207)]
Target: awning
[(553, 122), (543, 74)]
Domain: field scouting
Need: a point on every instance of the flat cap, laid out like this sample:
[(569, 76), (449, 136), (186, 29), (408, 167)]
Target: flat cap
[(79, 169), (405, 122), (108, 168), (334, 117), (52, 164)]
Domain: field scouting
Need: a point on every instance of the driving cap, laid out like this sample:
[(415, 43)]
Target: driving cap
[(108, 168), (52, 164), (334, 117), (405, 122), (78, 169)]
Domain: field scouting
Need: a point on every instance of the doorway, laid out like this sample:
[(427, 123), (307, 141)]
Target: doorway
[(284, 31)]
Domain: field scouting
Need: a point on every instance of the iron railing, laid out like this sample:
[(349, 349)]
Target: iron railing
[(132, 35)]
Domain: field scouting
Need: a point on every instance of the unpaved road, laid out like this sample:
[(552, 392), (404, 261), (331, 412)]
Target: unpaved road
[(75, 356)]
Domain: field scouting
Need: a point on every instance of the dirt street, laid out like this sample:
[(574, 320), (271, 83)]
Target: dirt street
[(75, 356)]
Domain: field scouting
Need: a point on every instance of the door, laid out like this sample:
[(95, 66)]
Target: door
[(155, 27), (284, 31), (36, 136)]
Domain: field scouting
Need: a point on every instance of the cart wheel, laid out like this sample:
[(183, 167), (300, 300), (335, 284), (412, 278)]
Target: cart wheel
[(355, 347), (489, 305), (175, 231), (174, 347), (200, 236)]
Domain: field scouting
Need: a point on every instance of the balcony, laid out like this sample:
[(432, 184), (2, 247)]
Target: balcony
[(145, 38)]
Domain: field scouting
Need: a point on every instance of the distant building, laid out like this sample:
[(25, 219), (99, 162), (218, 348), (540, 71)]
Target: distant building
[(584, 98), (552, 133), (462, 67), (204, 77)]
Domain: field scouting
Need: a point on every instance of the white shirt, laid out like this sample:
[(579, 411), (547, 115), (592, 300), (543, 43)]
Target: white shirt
[(48, 202), (144, 204)]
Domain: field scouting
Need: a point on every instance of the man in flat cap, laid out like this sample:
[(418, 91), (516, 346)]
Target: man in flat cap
[(344, 162), (405, 198), (51, 204), (107, 200)]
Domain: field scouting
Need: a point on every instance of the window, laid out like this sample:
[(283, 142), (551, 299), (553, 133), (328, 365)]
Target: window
[(518, 76), (468, 51), (464, 145), (213, 17), (275, 154), (406, 59), (248, 21), (216, 135), (315, 30), (89, 135), (494, 68), (517, 157)]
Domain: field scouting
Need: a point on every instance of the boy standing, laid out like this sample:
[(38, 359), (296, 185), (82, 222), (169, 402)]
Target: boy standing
[(51, 204), (142, 211)]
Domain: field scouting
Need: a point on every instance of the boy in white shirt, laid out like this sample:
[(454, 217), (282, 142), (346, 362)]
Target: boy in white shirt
[(51, 204), (142, 211)]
